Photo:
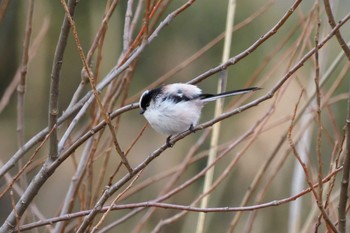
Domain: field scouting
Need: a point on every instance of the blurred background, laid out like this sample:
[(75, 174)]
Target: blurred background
[(187, 34)]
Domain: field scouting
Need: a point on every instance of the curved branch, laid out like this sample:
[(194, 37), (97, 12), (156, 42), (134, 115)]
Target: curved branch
[(338, 35)]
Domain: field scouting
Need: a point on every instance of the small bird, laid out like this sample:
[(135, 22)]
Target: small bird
[(174, 108)]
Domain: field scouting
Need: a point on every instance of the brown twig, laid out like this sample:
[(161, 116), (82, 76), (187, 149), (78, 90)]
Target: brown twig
[(318, 111), (13, 203), (93, 86), (126, 154), (144, 32), (74, 186), (259, 175), (176, 176), (345, 179), (306, 172), (24, 69), (101, 31), (343, 196), (251, 48), (21, 87), (31, 53), (180, 207), (106, 158), (55, 81), (15, 178), (338, 35), (114, 201)]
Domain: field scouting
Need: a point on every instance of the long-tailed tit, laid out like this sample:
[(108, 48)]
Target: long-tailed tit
[(174, 108)]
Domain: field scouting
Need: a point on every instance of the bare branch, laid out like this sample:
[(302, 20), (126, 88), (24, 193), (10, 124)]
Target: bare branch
[(55, 81), (343, 196), (338, 35), (179, 207)]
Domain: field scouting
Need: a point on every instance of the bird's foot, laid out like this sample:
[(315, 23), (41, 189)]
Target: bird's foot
[(191, 128), (168, 143)]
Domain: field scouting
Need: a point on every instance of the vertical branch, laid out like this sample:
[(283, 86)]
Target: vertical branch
[(208, 180), (55, 81), (303, 146), (23, 74), (345, 179), (4, 101), (146, 18), (318, 110), (22, 82), (127, 24), (343, 197), (332, 22), (306, 171)]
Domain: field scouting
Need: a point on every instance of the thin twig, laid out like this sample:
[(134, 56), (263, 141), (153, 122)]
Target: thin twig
[(114, 201), (318, 109), (181, 207), (343, 196), (74, 185), (31, 53), (306, 172), (259, 174), (250, 49), (15, 178), (21, 87), (98, 41), (127, 34), (55, 81), (93, 86), (176, 176), (338, 35), (101, 30), (13, 203)]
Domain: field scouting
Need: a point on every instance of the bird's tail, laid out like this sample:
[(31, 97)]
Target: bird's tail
[(212, 97)]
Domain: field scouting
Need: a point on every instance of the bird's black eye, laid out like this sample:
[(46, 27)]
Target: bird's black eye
[(144, 101), (147, 97)]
